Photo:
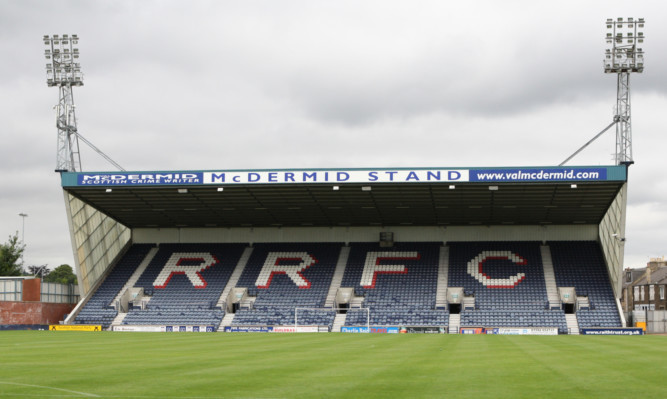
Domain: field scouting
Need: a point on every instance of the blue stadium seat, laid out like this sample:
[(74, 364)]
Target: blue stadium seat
[(500, 302), (98, 309), (278, 294), (179, 299), (398, 297), (581, 265)]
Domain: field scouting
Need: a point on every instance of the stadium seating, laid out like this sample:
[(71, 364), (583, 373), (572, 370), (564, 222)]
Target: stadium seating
[(507, 281), (186, 281), (581, 265), (99, 310), (398, 284), (284, 277)]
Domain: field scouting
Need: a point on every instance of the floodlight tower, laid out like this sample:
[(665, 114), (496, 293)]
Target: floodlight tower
[(64, 71), (623, 57)]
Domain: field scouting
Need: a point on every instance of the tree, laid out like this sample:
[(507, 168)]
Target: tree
[(11, 256), (39, 271), (62, 274)]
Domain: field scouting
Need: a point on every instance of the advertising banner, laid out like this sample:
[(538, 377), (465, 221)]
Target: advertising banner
[(138, 179), (246, 329), (523, 331), (139, 328), (189, 328), (335, 176), (425, 330), (373, 329), (538, 174), (611, 331), (292, 329), (16, 327), (384, 330), (283, 329), (472, 330), (272, 177), (346, 329), (543, 331), (73, 327)]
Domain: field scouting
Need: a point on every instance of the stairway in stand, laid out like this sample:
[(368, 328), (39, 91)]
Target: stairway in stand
[(443, 268), (339, 322), (572, 324), (337, 277), (226, 322), (454, 323), (550, 278)]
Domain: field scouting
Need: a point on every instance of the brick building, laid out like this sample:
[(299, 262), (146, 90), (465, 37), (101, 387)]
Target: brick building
[(645, 288)]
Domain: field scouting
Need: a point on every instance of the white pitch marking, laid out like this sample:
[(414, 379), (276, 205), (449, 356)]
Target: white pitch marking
[(53, 388)]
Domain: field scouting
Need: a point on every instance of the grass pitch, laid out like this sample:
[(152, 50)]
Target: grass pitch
[(45, 364)]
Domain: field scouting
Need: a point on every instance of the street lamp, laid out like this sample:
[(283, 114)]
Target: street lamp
[(23, 216)]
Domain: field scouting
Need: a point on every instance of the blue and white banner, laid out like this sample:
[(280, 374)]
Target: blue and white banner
[(342, 176), (538, 174), (129, 328), (273, 177), (260, 329), (346, 329), (523, 331), (333, 176), (139, 179), (611, 331)]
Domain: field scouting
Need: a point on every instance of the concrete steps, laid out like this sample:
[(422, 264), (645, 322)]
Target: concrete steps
[(339, 322), (550, 278), (454, 323), (443, 277), (572, 324), (236, 275), (130, 283), (337, 278), (226, 322), (137, 273)]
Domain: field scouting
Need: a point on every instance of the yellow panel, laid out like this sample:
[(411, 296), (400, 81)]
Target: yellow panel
[(74, 327)]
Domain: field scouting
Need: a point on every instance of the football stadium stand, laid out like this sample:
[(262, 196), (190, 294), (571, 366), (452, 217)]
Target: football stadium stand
[(185, 282), (506, 280), (398, 284), (282, 277), (531, 249), (100, 309), (503, 284), (581, 265)]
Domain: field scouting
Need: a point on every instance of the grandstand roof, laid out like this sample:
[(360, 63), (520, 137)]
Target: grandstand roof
[(352, 197)]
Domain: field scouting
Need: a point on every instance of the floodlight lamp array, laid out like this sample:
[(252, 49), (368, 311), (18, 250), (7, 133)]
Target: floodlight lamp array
[(62, 56), (623, 36)]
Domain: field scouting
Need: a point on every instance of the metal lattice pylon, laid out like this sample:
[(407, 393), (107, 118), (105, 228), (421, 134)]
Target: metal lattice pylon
[(68, 158), (64, 71), (623, 154), (623, 57)]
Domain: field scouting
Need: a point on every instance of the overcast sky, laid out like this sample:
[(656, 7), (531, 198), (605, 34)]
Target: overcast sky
[(190, 85)]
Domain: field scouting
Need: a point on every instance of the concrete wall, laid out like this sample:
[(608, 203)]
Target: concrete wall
[(97, 240), (657, 322), (366, 234), (612, 239)]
